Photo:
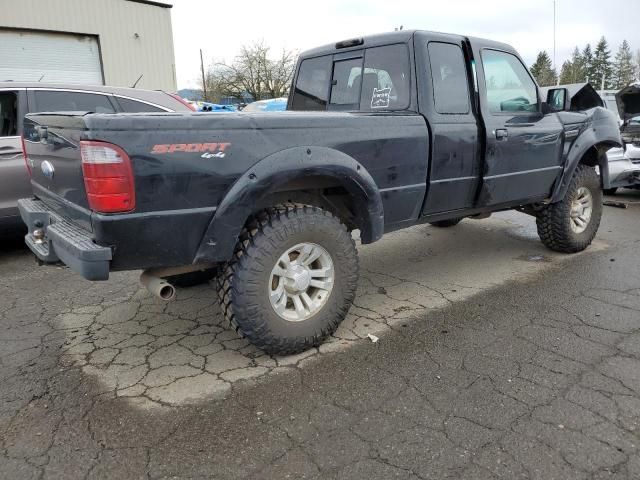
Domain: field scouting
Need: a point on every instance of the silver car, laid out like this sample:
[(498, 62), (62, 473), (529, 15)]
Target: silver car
[(624, 164), (18, 99)]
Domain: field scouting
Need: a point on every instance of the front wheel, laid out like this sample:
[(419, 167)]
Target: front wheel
[(292, 279), (570, 225)]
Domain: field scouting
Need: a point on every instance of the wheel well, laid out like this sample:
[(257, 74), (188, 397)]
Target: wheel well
[(591, 157), (596, 156), (320, 191)]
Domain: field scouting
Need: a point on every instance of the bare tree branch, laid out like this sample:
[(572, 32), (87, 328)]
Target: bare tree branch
[(253, 73)]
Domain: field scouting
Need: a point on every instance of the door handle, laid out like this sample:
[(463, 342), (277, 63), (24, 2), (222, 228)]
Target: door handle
[(501, 133)]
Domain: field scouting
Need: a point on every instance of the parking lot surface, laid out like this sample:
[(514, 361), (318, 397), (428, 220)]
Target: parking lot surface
[(497, 359)]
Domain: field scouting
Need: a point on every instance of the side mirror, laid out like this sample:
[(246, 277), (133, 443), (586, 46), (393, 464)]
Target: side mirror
[(557, 99)]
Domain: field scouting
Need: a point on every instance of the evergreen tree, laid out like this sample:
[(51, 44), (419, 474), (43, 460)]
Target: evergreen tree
[(637, 65), (624, 69), (578, 66), (542, 71), (587, 64), (573, 70), (566, 72), (602, 66)]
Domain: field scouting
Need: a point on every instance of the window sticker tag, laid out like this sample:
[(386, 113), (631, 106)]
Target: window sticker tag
[(380, 97)]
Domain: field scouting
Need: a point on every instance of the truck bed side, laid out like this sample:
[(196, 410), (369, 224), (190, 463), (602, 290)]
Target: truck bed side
[(185, 164)]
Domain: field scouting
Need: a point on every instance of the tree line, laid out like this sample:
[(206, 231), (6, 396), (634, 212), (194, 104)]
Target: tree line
[(256, 74), (596, 66)]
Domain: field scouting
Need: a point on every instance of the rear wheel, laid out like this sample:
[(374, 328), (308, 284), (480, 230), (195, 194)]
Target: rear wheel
[(452, 222), (292, 279), (570, 225)]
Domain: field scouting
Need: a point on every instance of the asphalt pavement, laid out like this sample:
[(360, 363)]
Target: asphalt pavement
[(496, 359)]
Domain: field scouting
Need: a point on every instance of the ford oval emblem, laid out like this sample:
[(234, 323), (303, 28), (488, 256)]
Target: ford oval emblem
[(47, 169)]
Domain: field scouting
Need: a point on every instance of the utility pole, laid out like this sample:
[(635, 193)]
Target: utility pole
[(554, 44), (204, 83)]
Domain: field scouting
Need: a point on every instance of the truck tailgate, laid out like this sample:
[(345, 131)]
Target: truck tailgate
[(53, 155)]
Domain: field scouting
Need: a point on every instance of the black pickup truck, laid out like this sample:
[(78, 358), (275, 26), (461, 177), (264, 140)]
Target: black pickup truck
[(382, 133)]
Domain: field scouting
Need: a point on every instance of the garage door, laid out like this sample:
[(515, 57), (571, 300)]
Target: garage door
[(49, 57)]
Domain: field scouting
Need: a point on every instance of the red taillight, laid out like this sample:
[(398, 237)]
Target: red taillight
[(108, 177), (183, 101), (24, 154)]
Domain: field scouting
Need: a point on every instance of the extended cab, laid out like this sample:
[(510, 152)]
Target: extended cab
[(383, 132)]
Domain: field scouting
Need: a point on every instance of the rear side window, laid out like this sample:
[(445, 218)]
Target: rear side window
[(380, 82), (312, 85), (449, 77), (60, 101), (133, 106), (386, 78)]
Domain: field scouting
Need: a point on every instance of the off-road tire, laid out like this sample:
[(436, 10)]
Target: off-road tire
[(452, 222), (243, 283), (554, 221), (610, 191), (191, 279)]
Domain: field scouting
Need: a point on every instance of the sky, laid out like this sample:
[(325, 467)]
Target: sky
[(221, 28)]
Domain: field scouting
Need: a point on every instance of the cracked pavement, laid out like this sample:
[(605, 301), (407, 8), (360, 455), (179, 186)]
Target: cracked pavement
[(497, 359)]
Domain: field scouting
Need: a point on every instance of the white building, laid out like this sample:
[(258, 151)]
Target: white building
[(110, 42)]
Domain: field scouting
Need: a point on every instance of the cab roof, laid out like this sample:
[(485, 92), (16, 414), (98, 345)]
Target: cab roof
[(401, 36)]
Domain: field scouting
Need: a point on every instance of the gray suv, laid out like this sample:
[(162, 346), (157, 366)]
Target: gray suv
[(17, 99)]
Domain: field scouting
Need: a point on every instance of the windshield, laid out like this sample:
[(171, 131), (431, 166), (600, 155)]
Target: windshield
[(274, 105)]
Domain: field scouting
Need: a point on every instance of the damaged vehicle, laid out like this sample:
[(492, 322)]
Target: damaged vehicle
[(624, 161), (623, 166), (628, 104), (383, 133)]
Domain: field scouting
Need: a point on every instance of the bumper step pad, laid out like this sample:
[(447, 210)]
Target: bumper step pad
[(64, 241)]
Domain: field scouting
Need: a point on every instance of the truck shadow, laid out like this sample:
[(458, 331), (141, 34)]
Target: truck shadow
[(12, 241), (184, 352)]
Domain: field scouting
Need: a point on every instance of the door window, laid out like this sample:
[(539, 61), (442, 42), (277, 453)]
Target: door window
[(62, 101), (449, 77), (312, 85), (8, 114), (510, 88)]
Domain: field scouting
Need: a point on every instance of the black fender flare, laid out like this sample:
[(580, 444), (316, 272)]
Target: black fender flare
[(600, 134), (277, 169)]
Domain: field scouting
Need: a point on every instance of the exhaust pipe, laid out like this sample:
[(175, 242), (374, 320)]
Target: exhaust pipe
[(153, 279), (158, 286)]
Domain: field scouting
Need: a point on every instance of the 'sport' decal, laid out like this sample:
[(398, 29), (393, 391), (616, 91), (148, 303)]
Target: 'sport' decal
[(208, 150)]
